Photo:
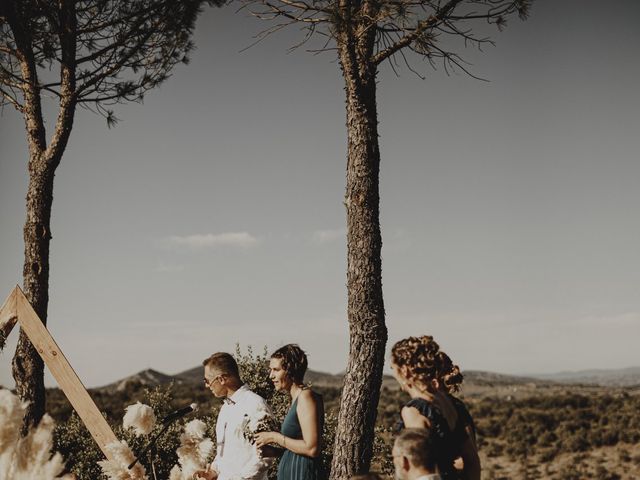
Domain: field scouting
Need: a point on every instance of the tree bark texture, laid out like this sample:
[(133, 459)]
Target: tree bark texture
[(28, 367), (353, 447)]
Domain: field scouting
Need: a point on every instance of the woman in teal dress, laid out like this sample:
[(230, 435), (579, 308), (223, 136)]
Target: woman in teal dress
[(301, 432)]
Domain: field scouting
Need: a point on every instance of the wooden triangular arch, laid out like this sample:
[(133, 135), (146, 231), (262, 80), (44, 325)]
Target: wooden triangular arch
[(17, 309)]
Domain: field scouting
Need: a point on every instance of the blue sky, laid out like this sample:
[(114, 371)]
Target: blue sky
[(213, 214)]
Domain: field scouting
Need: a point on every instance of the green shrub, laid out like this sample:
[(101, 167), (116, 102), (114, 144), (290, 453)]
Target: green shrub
[(81, 453)]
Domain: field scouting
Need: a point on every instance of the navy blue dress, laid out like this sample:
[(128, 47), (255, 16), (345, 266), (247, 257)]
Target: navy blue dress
[(446, 442)]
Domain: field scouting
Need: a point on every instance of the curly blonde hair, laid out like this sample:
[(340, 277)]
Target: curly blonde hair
[(424, 362)]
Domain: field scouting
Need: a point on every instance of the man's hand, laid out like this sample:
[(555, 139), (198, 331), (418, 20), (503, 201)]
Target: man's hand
[(205, 475)]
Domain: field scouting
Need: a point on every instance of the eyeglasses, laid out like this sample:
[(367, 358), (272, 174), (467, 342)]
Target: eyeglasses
[(208, 382)]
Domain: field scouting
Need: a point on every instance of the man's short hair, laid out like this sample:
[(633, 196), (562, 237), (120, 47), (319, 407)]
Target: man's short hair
[(417, 445), (367, 476), (222, 362)]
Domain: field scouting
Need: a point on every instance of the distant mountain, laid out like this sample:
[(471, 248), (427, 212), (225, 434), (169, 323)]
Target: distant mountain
[(193, 375), (148, 377), (151, 378), (472, 379), (320, 379), (480, 378), (623, 377)]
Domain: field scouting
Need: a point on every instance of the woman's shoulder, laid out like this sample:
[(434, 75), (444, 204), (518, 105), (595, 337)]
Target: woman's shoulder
[(309, 402), (419, 412), (309, 396), (424, 407), (416, 408)]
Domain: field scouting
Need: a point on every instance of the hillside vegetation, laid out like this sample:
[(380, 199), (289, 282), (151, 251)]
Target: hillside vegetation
[(526, 429)]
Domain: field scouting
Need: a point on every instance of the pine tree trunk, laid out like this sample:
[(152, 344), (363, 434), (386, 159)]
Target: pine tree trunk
[(28, 367), (367, 331)]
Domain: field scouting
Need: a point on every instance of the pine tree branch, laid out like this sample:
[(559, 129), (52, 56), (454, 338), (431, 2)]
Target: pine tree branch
[(67, 35), (32, 108), (421, 27), (12, 99)]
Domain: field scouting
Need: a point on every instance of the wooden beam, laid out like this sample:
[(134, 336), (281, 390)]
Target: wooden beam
[(8, 313), (65, 375)]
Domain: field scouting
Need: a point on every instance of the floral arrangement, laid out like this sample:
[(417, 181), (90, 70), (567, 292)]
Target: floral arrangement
[(194, 451), (122, 457), (140, 418), (30, 457), (263, 423)]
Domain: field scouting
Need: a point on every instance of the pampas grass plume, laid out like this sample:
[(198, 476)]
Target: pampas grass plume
[(193, 452), (116, 469), (33, 454), (195, 429), (27, 458), (140, 417), (11, 413)]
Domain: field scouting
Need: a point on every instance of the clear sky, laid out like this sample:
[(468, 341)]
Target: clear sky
[(213, 214)]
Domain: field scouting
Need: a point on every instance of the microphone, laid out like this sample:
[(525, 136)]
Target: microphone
[(179, 413)]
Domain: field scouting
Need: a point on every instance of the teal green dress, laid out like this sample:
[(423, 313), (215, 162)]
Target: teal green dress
[(299, 467)]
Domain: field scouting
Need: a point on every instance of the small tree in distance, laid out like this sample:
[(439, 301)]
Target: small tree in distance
[(92, 53), (364, 34)]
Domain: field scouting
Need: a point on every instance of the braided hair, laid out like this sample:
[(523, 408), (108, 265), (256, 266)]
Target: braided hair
[(424, 362)]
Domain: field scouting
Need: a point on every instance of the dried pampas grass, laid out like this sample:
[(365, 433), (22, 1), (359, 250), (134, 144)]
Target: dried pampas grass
[(33, 456), (140, 417), (30, 457), (116, 469), (194, 451), (195, 429), (11, 413)]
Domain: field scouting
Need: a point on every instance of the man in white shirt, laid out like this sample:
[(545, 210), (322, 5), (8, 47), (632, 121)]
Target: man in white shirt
[(237, 458), (413, 456)]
